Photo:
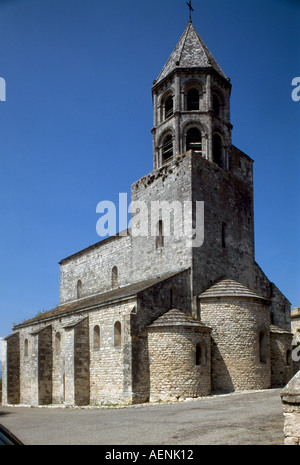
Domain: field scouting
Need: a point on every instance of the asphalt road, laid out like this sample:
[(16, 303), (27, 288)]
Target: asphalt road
[(251, 418)]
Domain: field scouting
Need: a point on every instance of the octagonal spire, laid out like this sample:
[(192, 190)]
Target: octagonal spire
[(190, 52)]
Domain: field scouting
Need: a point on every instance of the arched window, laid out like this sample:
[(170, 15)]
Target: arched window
[(216, 104), (171, 298), (114, 277), (192, 100), (117, 334), (193, 140), (167, 148), (57, 343), (217, 149), (26, 347), (160, 235), (79, 289), (224, 227), (168, 106), (263, 347), (288, 358), (200, 354), (96, 337)]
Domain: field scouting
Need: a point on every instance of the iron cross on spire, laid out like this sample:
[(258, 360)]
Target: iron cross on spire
[(189, 4)]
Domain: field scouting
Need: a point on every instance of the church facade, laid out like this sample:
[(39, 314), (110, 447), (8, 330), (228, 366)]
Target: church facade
[(150, 317)]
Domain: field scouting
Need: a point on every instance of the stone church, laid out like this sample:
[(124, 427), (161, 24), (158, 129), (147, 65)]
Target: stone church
[(151, 318)]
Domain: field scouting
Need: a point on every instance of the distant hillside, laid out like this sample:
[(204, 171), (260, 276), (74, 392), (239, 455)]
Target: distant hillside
[(0, 369)]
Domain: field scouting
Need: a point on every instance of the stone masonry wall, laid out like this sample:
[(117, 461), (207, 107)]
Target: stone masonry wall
[(228, 203), (103, 372), (11, 369), (152, 303), (228, 248), (296, 324), (172, 360), (82, 363), (45, 365), (93, 267), (280, 309), (292, 424), (168, 184), (281, 358), (236, 324), (137, 258), (290, 397), (110, 365)]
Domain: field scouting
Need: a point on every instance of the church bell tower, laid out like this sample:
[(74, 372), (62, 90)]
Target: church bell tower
[(191, 103)]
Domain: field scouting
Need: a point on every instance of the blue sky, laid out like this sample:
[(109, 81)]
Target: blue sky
[(75, 127)]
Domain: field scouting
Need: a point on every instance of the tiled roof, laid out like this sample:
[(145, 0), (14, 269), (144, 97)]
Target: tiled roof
[(90, 302), (277, 329), (229, 288), (175, 317), (190, 52)]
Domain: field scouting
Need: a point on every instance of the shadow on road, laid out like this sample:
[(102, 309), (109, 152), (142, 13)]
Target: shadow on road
[(2, 413)]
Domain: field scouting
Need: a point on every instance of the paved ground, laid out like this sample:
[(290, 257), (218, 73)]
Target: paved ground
[(234, 419)]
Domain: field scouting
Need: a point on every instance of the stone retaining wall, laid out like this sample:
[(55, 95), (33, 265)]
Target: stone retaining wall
[(290, 397)]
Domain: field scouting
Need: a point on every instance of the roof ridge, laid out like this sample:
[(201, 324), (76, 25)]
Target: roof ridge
[(230, 287), (184, 41), (176, 317), (88, 302)]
